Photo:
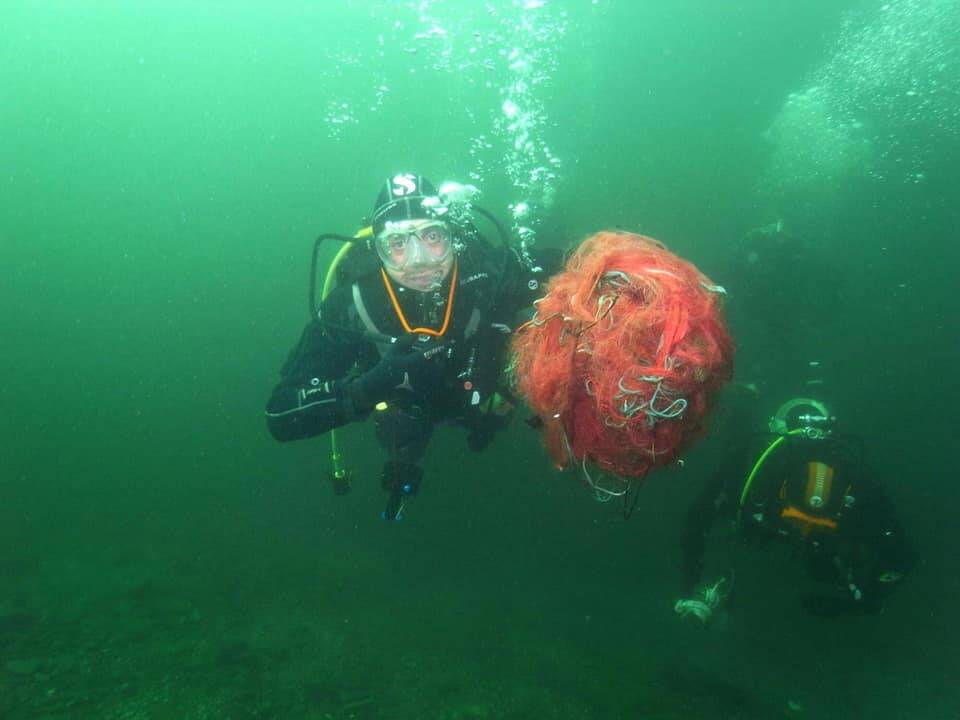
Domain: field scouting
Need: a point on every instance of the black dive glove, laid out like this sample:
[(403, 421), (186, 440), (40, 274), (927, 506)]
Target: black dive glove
[(409, 366)]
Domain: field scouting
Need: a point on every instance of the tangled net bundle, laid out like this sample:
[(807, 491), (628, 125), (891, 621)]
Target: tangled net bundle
[(622, 357)]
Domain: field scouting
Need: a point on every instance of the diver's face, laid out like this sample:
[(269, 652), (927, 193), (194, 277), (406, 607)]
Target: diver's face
[(422, 277), (417, 254)]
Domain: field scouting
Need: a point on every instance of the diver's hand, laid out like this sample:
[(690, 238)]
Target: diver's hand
[(409, 366)]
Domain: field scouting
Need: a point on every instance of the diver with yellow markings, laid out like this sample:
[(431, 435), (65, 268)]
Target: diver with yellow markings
[(805, 484), (415, 331)]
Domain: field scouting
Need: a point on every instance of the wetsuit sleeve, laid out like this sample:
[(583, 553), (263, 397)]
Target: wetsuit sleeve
[(521, 285), (878, 554), (549, 260), (313, 395), (718, 496), (883, 552), (700, 517)]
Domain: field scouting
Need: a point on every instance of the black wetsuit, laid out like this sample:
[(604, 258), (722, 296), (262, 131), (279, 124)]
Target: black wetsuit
[(318, 388), (853, 542)]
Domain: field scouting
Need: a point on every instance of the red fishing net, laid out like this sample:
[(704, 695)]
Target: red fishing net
[(623, 356)]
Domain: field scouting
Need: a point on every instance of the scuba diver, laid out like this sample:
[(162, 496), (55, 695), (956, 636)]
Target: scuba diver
[(417, 334), (806, 485)]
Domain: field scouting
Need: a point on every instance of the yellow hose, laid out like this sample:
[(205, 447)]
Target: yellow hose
[(763, 456), (328, 282)]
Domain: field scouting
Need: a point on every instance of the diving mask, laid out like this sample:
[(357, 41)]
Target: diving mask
[(406, 243)]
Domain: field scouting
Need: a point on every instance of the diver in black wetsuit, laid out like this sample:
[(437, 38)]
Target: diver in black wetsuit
[(422, 335), (805, 484)]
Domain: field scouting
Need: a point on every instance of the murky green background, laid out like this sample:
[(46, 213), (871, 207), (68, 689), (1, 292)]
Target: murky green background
[(164, 168)]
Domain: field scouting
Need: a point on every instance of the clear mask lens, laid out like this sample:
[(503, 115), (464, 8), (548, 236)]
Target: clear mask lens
[(405, 244)]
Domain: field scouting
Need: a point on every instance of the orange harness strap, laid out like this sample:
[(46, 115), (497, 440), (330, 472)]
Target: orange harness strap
[(403, 318), (807, 522)]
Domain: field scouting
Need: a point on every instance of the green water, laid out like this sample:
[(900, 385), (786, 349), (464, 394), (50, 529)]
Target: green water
[(164, 168)]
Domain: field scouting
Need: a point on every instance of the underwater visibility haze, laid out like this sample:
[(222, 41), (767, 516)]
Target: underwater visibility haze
[(164, 170)]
